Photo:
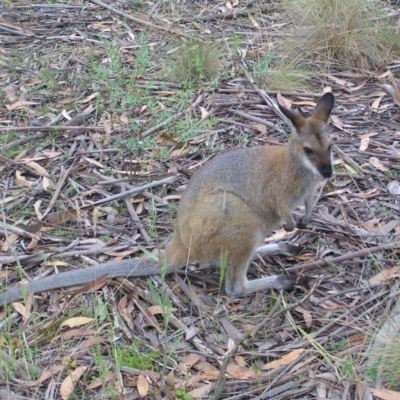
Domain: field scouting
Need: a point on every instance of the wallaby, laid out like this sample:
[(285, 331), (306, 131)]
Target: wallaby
[(228, 207)]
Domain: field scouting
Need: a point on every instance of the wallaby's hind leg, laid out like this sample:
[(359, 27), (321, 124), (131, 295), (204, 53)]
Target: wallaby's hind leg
[(237, 284), (175, 256)]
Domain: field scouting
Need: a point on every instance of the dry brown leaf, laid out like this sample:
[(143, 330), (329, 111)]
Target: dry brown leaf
[(306, 315), (283, 101), (240, 372), (78, 333), (340, 81), (154, 310), (181, 152), (361, 85), (170, 381), (107, 132), (68, 384), (253, 21), (99, 382), (364, 143), (376, 103), (19, 104), (95, 162), (36, 207), (60, 217), (66, 115), (329, 304), (396, 95), (385, 229), (371, 224), (11, 238), (142, 386), (385, 394), (6, 199), (337, 121), (259, 127), (55, 264), (207, 368), (76, 321), (188, 361), (167, 137), (385, 275), (11, 92), (240, 361), (87, 99), (21, 181), (51, 154), (201, 392), (38, 168), (279, 234), (21, 309), (374, 161), (46, 374), (284, 360), (121, 254), (357, 337), (124, 118), (204, 113), (48, 183)]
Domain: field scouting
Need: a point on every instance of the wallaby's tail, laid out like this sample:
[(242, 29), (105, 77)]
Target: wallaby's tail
[(114, 269)]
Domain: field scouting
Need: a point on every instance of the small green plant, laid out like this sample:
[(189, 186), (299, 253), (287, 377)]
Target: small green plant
[(180, 394), (234, 43), (338, 344), (222, 272), (197, 61), (346, 368), (135, 357)]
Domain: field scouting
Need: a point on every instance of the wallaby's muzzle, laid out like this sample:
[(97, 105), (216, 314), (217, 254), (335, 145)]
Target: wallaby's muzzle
[(326, 171)]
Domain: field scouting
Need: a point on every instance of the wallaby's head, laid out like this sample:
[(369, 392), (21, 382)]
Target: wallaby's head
[(310, 140)]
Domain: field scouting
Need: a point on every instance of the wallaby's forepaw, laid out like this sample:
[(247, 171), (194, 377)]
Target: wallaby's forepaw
[(289, 226), (303, 223)]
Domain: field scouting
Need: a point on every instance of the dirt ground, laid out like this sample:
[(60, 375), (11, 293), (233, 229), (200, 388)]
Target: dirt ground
[(91, 110)]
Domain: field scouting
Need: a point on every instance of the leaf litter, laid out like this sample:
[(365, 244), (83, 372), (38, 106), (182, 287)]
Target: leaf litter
[(68, 165)]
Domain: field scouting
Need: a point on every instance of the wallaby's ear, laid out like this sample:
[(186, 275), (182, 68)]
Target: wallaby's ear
[(296, 119), (324, 107)]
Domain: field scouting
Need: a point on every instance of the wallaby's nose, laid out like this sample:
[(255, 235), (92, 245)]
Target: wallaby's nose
[(326, 171)]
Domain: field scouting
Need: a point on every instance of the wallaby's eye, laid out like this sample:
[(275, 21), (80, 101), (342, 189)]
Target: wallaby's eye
[(308, 151)]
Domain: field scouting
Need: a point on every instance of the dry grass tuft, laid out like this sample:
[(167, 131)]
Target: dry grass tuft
[(384, 358), (354, 32), (196, 60), (283, 75)]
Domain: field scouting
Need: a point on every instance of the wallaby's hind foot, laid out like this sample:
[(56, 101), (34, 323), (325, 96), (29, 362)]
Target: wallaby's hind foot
[(284, 249)]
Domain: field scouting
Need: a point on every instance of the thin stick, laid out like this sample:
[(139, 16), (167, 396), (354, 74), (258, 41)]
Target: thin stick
[(344, 257)]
